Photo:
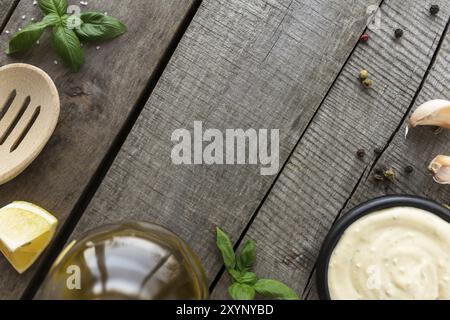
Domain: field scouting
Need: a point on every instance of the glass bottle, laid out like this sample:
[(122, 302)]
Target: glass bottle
[(139, 261)]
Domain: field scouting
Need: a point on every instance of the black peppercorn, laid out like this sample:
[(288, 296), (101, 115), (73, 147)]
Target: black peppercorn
[(398, 33), (434, 9), (361, 153), (409, 169), (378, 171)]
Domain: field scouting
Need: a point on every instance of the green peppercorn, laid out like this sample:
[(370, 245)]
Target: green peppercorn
[(363, 75), (390, 175), (398, 33), (367, 83), (434, 9)]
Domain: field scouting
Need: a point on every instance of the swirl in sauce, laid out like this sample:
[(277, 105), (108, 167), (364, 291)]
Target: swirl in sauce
[(397, 253)]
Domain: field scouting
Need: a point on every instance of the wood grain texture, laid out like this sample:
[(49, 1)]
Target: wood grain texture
[(323, 171), (94, 106), (5, 7), (241, 64), (418, 150)]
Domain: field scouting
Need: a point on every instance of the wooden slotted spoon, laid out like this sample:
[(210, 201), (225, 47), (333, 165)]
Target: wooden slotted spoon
[(29, 111)]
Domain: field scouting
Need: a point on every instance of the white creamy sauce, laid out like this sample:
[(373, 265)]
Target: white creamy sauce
[(397, 253)]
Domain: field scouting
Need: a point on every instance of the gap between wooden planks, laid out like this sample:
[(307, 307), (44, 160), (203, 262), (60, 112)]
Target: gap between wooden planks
[(96, 104), (324, 172), (6, 9), (241, 64), (421, 146)]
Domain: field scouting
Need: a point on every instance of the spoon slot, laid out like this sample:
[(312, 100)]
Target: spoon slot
[(26, 130), (19, 115), (8, 104)]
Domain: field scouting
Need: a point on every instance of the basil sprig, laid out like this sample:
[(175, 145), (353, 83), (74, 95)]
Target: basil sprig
[(96, 26), (66, 40), (245, 284)]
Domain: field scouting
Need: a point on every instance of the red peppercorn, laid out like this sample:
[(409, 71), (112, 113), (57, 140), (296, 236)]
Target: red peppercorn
[(364, 37)]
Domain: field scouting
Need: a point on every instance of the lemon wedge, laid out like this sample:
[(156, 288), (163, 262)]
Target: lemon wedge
[(25, 232)]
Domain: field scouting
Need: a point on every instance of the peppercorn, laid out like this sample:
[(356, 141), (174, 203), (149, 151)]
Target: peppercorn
[(361, 153), (364, 37), (398, 33), (409, 169), (363, 75), (379, 171), (390, 175), (434, 9), (378, 151), (367, 83)]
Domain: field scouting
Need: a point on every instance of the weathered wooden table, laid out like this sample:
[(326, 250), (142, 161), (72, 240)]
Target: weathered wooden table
[(277, 64)]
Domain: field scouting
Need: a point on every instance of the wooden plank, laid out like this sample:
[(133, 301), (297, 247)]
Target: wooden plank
[(422, 145), (241, 64), (324, 169), (5, 8), (418, 150), (95, 105)]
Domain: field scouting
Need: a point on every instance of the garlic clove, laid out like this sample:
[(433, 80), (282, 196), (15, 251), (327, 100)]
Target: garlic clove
[(440, 167), (432, 113)]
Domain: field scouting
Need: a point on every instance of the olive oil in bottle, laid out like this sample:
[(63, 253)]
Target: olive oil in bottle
[(138, 261)]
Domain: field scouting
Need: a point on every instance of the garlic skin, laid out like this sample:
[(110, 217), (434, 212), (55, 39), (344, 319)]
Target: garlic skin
[(432, 113), (440, 167)]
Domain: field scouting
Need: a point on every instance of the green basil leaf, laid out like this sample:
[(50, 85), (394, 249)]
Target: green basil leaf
[(27, 37), (249, 278), (240, 291), (58, 7), (68, 46), (96, 26), (51, 19), (275, 290), (226, 249), (247, 256), (235, 275)]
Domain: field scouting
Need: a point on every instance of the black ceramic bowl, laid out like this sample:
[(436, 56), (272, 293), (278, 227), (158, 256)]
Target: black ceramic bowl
[(342, 224)]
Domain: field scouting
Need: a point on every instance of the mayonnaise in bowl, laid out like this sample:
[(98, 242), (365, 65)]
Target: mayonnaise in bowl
[(395, 253)]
